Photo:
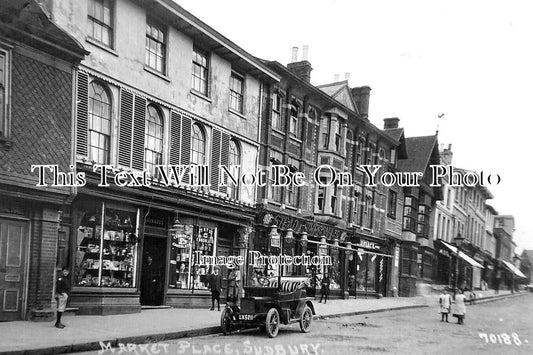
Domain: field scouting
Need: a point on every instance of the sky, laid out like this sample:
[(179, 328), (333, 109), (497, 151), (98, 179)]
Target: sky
[(471, 60)]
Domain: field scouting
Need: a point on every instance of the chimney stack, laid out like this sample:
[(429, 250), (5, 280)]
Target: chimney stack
[(361, 96), (294, 55), (446, 155), (390, 123), (346, 76), (336, 78), (302, 68)]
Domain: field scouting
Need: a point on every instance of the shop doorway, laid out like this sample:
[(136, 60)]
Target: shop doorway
[(153, 271), (13, 237)]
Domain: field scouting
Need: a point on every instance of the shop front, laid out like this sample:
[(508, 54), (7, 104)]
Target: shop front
[(368, 268), (129, 252)]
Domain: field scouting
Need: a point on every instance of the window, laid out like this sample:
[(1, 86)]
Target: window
[(391, 208), (153, 140), (99, 123), (236, 92), (198, 145), (291, 191), (294, 126), (381, 156), (338, 137), (321, 198), (334, 195), (393, 157), (368, 209), (155, 46), (200, 71), (354, 214), (234, 159), (100, 18), (275, 191), (276, 111), (423, 220), (4, 93), (325, 134), (410, 212), (359, 153), (369, 154)]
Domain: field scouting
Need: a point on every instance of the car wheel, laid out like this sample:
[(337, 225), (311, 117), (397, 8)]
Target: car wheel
[(272, 323), (306, 319), (225, 321)]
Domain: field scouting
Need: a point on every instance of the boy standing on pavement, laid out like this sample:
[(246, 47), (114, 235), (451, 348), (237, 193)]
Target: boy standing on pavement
[(215, 283), (62, 291)]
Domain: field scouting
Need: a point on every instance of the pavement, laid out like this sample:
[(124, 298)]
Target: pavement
[(83, 333)]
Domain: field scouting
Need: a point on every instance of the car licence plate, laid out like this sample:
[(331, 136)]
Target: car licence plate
[(246, 317)]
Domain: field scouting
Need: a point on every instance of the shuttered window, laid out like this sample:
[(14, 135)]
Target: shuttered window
[(139, 120), (99, 123), (215, 159), (153, 139), (234, 159), (125, 128), (175, 138)]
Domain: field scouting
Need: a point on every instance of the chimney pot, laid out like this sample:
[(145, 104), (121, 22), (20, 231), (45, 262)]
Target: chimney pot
[(336, 77), (294, 54), (305, 52), (347, 76)]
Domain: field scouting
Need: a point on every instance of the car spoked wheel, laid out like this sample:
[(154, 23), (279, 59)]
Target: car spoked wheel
[(225, 321), (272, 323), (306, 319)]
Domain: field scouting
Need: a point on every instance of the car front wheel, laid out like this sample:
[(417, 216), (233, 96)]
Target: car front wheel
[(272, 323), (225, 321), (306, 319)]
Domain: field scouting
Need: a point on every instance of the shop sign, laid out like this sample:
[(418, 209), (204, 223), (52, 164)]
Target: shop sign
[(300, 225), (367, 244)]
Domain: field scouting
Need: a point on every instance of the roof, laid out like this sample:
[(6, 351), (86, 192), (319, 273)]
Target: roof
[(341, 92), (398, 135), (419, 150), (528, 254), (191, 25), (29, 23), (492, 209)]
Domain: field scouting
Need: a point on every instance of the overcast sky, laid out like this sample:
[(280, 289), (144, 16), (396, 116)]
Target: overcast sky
[(471, 60)]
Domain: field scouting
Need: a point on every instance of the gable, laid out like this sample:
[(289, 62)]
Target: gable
[(345, 98)]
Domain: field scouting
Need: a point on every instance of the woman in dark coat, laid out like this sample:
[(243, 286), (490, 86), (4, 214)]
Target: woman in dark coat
[(324, 288)]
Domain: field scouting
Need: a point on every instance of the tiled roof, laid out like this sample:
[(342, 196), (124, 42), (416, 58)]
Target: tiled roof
[(395, 133), (419, 150)]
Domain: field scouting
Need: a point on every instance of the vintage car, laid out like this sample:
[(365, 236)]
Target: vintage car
[(270, 305)]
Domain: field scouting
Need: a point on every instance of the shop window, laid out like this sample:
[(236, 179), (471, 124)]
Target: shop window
[(200, 71), (156, 44), (99, 123), (234, 159), (100, 21), (106, 247), (153, 140), (188, 244)]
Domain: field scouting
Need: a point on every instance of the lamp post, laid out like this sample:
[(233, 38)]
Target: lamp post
[(457, 241)]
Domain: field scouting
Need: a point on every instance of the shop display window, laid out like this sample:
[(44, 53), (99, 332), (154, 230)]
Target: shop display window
[(106, 247), (187, 244)]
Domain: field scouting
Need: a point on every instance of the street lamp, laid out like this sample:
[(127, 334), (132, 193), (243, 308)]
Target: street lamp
[(457, 241)]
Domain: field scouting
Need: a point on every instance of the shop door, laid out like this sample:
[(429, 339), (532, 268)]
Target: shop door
[(224, 251), (13, 236), (153, 271)]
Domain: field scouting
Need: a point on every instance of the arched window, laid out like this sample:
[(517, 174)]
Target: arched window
[(198, 145), (99, 123), (359, 151), (153, 139), (276, 111), (234, 159), (294, 124)]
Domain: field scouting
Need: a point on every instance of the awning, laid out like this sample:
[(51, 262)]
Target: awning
[(462, 255), (514, 269)]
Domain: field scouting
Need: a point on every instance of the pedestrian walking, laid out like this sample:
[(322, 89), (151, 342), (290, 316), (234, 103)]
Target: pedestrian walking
[(460, 307), (215, 284), (234, 284), (62, 292), (445, 302), (324, 288)]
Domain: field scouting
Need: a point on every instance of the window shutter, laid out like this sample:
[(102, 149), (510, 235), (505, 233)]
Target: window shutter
[(215, 159), (125, 128), (82, 118), (224, 156), (185, 144), (175, 138), (139, 120)]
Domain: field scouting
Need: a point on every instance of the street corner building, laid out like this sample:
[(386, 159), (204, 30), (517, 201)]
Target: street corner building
[(134, 85)]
